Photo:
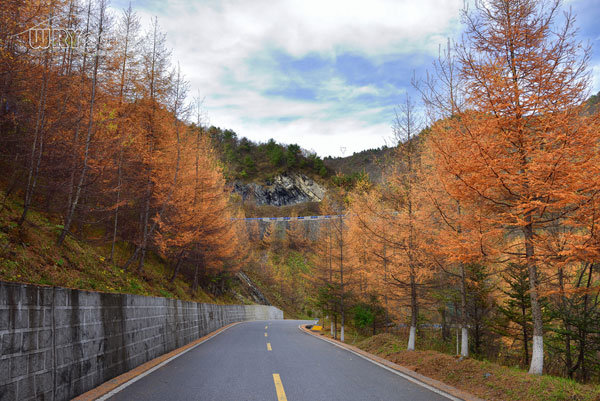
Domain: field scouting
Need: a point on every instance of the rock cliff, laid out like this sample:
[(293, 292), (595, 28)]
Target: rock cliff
[(283, 190)]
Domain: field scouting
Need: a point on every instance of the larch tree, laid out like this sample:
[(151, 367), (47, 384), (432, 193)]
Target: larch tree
[(519, 147), (46, 66), (368, 223), (403, 198), (154, 88), (97, 59), (125, 63), (442, 92)]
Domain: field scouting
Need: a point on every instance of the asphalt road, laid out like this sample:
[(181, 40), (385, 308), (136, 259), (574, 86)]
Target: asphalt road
[(243, 364)]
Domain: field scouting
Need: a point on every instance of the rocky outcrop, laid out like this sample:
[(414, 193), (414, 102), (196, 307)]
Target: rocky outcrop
[(283, 190), (252, 291)]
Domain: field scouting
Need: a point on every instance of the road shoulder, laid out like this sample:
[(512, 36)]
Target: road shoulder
[(409, 374)]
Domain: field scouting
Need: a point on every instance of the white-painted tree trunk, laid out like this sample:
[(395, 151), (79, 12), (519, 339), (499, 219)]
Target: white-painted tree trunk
[(537, 356), (411, 338), (342, 333), (464, 344), (331, 327)]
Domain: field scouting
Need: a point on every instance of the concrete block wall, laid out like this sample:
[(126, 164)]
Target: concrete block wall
[(56, 343)]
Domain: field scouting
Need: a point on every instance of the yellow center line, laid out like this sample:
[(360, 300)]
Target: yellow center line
[(269, 347), (265, 334), (279, 388)]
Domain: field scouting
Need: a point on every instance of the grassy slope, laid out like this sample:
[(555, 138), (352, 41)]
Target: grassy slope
[(29, 254), (483, 379)]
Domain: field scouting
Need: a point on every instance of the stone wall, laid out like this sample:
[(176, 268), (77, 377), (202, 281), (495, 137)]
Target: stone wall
[(56, 343)]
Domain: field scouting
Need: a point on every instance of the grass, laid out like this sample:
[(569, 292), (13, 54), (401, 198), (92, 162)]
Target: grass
[(483, 379), (28, 254)]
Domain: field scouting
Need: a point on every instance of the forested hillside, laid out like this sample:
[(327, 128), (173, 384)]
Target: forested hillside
[(246, 160)]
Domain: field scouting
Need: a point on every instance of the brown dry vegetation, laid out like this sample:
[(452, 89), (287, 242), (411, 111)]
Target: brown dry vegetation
[(481, 378)]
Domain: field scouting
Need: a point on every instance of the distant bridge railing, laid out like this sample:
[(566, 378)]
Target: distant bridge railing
[(289, 218), (302, 218)]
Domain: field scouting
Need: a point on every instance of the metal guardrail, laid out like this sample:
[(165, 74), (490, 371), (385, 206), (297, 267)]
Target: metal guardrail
[(301, 218)]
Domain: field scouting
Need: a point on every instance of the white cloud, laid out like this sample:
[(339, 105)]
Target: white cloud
[(213, 40), (326, 137)]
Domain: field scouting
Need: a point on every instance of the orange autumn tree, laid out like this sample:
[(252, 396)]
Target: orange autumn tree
[(391, 217), (334, 270), (412, 268), (373, 251), (322, 276), (520, 145), (456, 235), (197, 227)]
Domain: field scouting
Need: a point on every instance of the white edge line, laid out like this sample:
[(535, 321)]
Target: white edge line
[(409, 378), (160, 365)]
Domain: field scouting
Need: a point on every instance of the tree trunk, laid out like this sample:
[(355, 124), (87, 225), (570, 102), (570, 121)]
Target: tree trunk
[(146, 215), (176, 270), (584, 329), (565, 319), (413, 314), (385, 280), (342, 311), (13, 183), (335, 326), (445, 328), (537, 356), (116, 218), (464, 344), (195, 283), (525, 336)]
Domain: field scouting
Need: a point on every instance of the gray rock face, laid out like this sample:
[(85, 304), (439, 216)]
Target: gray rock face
[(256, 294), (286, 189)]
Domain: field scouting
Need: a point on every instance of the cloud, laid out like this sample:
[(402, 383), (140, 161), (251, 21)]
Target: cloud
[(318, 73), (315, 72)]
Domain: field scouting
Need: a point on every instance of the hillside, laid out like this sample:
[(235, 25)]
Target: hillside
[(370, 161), (28, 254), (247, 161)]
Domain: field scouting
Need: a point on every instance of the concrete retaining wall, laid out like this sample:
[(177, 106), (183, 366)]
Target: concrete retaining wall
[(56, 343)]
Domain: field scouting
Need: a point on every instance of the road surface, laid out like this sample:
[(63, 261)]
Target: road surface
[(271, 361)]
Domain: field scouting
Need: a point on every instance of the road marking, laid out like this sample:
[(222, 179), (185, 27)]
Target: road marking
[(269, 347), (265, 334), (279, 388)]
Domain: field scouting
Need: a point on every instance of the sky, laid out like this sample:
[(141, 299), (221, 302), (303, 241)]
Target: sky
[(325, 74)]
